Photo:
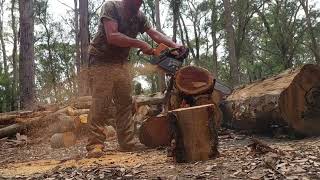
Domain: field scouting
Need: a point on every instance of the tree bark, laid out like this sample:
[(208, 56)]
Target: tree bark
[(233, 61), (291, 98), (27, 65)]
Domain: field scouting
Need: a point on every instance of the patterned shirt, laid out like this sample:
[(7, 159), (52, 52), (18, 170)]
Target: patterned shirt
[(115, 11)]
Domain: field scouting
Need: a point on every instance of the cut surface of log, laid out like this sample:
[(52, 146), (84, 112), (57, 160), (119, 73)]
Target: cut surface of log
[(61, 140), (195, 136), (291, 98), (193, 80)]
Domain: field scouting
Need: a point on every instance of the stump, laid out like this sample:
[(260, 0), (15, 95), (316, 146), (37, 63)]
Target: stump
[(292, 98), (195, 137)]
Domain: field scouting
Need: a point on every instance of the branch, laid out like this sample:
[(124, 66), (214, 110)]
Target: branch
[(66, 5)]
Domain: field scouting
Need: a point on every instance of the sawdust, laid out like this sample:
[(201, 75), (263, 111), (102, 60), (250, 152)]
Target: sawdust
[(148, 69), (42, 166)]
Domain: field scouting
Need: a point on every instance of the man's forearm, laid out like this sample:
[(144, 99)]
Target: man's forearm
[(121, 40)]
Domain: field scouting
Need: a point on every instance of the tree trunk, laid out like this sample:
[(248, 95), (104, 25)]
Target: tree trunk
[(14, 100), (160, 76), (213, 36), (314, 45), (175, 10), (234, 64), (84, 87), (291, 98), (27, 65), (76, 30), (3, 45)]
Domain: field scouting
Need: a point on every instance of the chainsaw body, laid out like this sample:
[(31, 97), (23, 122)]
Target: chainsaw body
[(170, 60)]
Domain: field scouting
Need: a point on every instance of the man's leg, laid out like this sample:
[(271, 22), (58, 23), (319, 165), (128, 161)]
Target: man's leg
[(102, 86), (123, 101)]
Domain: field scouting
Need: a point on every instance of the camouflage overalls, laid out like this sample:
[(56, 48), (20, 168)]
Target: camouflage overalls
[(111, 77)]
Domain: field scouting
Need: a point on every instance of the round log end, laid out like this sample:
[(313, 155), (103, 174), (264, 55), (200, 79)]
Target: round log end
[(193, 80), (61, 140)]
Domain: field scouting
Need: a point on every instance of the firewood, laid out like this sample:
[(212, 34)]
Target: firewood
[(194, 132), (193, 80), (292, 98)]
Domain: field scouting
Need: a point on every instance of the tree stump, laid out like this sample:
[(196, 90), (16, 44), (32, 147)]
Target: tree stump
[(291, 98), (195, 137)]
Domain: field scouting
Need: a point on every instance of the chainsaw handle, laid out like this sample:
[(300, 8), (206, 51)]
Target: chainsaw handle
[(139, 52)]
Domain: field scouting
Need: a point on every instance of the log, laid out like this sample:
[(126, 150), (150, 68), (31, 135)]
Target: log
[(194, 132), (155, 132), (291, 98), (193, 80), (77, 112), (62, 140), (11, 130), (29, 123)]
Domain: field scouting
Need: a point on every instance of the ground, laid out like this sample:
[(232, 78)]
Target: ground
[(35, 159)]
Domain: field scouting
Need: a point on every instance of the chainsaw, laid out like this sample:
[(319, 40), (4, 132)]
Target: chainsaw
[(169, 60)]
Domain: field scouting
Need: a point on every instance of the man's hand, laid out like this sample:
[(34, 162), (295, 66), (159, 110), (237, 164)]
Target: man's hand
[(146, 48)]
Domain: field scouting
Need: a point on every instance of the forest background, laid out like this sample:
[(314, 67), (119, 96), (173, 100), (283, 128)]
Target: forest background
[(240, 41)]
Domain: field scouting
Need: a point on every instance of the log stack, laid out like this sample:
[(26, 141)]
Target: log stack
[(291, 98)]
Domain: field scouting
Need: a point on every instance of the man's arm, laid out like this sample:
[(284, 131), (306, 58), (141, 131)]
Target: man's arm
[(161, 38), (116, 38)]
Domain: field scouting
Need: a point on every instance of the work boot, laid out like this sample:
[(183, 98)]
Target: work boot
[(96, 151)]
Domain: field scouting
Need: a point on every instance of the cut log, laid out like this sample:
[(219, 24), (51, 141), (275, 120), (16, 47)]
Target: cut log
[(155, 132), (77, 112), (61, 140), (194, 132), (11, 130), (291, 98), (193, 80)]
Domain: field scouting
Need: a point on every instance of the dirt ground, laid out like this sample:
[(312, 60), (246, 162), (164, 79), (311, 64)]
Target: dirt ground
[(35, 159)]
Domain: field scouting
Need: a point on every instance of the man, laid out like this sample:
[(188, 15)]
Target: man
[(109, 69)]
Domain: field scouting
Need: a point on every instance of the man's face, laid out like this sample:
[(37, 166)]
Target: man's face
[(134, 5)]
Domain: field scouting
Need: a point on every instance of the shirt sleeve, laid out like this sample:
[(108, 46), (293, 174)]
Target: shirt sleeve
[(108, 12), (144, 23)]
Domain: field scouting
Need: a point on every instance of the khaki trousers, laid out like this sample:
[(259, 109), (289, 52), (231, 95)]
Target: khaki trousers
[(111, 83)]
